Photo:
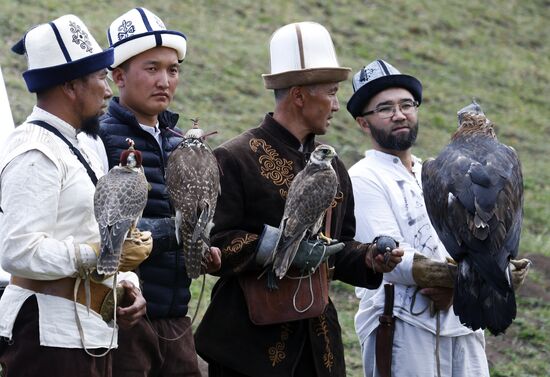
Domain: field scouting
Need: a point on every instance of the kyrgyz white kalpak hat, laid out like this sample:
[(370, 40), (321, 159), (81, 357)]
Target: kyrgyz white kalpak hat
[(379, 75), (60, 51), (303, 54), (139, 30)]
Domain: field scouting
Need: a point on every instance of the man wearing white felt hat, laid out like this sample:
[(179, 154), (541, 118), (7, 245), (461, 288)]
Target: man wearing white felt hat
[(258, 167), (145, 69), (49, 239)]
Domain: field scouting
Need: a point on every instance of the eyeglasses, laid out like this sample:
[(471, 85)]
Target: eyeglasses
[(387, 111)]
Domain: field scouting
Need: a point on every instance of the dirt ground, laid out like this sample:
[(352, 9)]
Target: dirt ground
[(533, 288)]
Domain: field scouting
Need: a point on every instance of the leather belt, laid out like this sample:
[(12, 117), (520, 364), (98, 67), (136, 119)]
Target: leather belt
[(65, 288)]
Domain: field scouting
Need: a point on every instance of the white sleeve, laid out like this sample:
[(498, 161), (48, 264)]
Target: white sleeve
[(374, 216), (130, 276), (30, 185)]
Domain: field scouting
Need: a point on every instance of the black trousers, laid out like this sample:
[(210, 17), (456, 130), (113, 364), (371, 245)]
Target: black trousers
[(305, 367)]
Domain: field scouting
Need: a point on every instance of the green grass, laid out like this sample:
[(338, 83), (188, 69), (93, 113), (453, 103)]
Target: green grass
[(497, 51)]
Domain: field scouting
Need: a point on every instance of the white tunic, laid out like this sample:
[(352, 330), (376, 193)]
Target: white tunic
[(46, 198), (388, 200)]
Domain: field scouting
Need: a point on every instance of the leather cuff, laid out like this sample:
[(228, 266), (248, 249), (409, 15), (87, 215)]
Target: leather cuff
[(266, 244)]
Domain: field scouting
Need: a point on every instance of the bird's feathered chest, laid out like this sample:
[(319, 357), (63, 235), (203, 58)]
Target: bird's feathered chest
[(121, 193), (192, 175), (314, 186)]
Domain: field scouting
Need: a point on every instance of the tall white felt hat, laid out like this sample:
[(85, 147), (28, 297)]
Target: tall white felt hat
[(375, 77), (60, 51), (139, 30), (302, 54)]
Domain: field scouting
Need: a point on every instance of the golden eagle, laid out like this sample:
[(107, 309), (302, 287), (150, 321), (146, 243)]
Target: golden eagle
[(474, 196)]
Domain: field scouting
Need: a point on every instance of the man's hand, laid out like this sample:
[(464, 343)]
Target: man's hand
[(135, 250), (442, 298), (383, 262), (132, 307), (211, 261)]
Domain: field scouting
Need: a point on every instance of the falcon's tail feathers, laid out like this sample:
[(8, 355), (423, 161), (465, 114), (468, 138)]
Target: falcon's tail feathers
[(285, 251), (112, 238)]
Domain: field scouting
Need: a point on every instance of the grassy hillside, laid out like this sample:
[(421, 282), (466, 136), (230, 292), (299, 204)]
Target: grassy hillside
[(497, 51)]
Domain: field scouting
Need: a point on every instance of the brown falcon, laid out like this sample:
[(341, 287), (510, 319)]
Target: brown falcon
[(309, 196), (474, 196), (119, 200), (193, 183)]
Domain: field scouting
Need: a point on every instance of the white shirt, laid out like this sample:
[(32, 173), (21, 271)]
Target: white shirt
[(47, 202), (94, 149), (155, 131), (389, 201)]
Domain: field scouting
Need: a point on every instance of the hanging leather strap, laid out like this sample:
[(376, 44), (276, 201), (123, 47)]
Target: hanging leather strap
[(77, 153), (384, 334)]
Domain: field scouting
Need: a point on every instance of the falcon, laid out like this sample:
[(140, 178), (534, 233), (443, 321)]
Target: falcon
[(309, 196), (193, 183), (474, 197), (119, 199)]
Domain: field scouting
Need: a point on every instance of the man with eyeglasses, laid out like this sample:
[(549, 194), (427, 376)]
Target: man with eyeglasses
[(428, 338)]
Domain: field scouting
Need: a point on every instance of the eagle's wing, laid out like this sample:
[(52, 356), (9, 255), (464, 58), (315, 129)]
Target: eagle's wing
[(474, 196)]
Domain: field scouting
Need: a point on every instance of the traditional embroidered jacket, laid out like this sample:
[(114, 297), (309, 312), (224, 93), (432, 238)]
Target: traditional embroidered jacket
[(257, 169)]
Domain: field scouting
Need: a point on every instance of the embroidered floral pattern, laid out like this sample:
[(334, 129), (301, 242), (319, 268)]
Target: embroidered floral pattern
[(277, 170), (321, 329), (277, 352), (238, 243), (80, 37), (125, 30)]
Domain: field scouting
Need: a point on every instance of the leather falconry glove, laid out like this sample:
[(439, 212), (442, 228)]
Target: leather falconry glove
[(430, 273), (310, 254), (135, 250)]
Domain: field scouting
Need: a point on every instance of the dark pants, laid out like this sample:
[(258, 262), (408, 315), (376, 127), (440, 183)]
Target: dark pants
[(142, 353), (25, 357), (305, 367)]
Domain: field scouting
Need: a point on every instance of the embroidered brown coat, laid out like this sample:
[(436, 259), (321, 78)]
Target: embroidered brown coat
[(257, 169)]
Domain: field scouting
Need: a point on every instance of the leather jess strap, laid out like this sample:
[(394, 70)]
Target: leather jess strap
[(65, 288)]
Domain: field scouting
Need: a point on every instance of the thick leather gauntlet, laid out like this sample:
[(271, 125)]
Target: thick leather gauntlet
[(430, 273), (310, 254), (135, 250)]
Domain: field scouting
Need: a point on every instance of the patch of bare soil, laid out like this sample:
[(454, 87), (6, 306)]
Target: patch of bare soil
[(496, 346)]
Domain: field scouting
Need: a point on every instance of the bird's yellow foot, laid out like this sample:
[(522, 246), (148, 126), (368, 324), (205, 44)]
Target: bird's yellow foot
[(327, 240)]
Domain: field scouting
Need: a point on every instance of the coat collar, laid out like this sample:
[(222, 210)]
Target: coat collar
[(277, 130), (167, 119)]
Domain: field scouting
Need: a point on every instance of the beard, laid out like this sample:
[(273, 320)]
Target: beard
[(90, 126), (399, 142)]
